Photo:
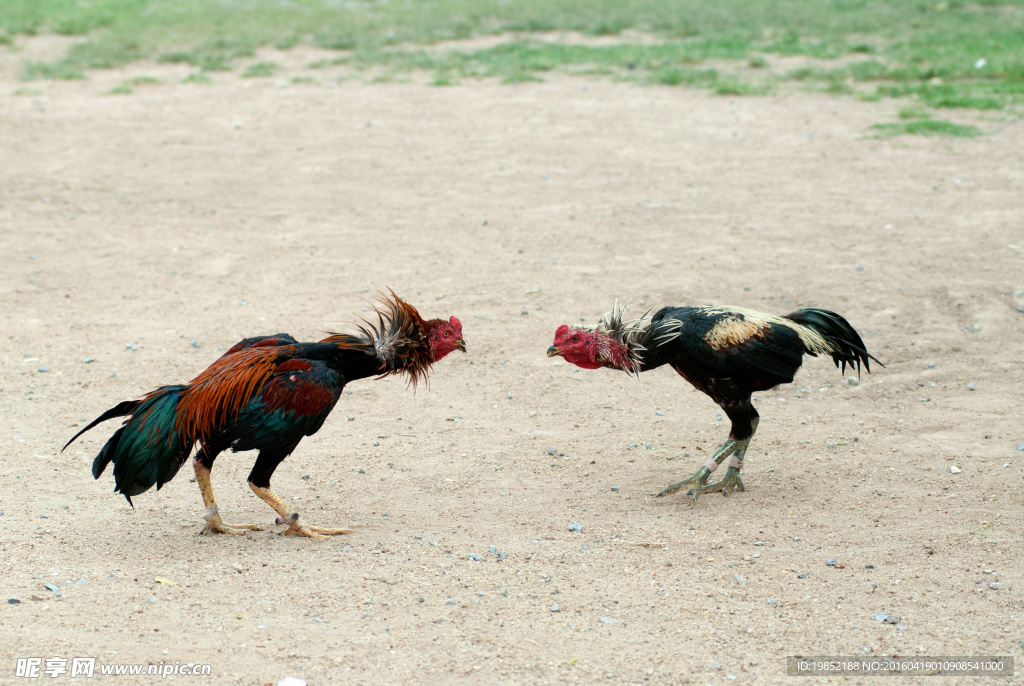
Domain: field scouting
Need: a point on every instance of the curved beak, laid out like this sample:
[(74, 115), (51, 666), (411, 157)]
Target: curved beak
[(553, 352), (460, 345)]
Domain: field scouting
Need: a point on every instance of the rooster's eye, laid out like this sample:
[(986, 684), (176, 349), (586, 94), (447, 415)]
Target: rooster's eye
[(447, 334), (575, 339)]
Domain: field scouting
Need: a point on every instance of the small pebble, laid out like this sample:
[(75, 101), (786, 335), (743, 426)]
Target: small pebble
[(152, 598), (50, 587), (954, 469), (881, 617), (758, 542), (972, 387), (87, 360), (902, 627), (493, 549), (659, 413), (615, 489), (1020, 446), (892, 619), (449, 602), (552, 450), (801, 576), (474, 556), (714, 665), (305, 477), (869, 566), (995, 585), (43, 370), (376, 442), (13, 601), (82, 582), (772, 601), (603, 620), (831, 562), (575, 527), (291, 681), (554, 608)]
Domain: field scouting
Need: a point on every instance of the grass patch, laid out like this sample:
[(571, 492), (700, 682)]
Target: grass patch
[(260, 69), (129, 86), (60, 70), (926, 127), (444, 80), (197, 77), (734, 87), (954, 54), (913, 113)]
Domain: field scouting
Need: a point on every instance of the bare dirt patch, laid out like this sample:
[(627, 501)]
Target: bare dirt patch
[(132, 225)]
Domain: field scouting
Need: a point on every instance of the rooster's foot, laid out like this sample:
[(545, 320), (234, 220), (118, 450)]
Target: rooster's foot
[(730, 482), (216, 525), (696, 481), (297, 527)]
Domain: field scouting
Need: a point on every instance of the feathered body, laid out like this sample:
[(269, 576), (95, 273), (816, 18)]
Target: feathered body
[(727, 353), (266, 393)]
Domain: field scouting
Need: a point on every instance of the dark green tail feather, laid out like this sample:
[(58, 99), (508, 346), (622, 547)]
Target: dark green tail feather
[(147, 450), (849, 348)]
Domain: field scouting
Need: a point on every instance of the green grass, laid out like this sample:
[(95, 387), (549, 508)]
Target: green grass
[(260, 69), (197, 77), (926, 127), (917, 49), (913, 113), (129, 86)]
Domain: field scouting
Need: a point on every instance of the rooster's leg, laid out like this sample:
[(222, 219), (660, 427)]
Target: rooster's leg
[(214, 524), (732, 480), (698, 480), (259, 482), (744, 423)]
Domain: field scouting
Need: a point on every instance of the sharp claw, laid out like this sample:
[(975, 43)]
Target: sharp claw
[(697, 479), (297, 528)]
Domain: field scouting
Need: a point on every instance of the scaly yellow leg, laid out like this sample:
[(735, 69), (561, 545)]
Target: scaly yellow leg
[(288, 516), (214, 524)]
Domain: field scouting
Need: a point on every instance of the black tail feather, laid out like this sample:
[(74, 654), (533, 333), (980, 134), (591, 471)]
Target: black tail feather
[(848, 348), (119, 410), (147, 450), (106, 454)]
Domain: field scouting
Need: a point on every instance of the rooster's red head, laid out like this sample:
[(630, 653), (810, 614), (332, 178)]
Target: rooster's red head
[(444, 337), (577, 346)]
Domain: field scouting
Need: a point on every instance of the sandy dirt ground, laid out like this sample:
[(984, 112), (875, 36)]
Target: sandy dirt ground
[(142, 234)]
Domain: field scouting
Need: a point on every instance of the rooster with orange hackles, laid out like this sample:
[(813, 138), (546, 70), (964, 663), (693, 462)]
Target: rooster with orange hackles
[(265, 394), (727, 353)]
